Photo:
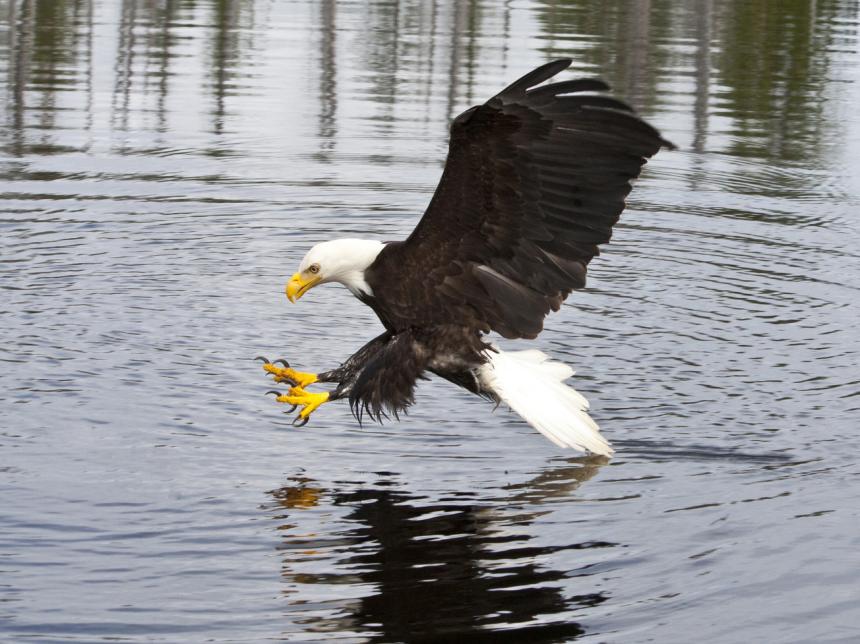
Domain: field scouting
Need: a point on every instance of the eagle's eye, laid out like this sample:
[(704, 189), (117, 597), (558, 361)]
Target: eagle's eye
[(314, 268)]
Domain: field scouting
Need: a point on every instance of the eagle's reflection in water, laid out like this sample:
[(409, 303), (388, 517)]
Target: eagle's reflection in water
[(398, 568)]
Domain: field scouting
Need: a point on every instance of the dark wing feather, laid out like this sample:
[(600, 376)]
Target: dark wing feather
[(534, 181)]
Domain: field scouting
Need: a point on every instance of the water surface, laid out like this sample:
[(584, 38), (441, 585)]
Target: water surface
[(166, 164)]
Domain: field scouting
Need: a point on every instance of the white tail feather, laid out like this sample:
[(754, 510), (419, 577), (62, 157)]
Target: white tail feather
[(533, 386)]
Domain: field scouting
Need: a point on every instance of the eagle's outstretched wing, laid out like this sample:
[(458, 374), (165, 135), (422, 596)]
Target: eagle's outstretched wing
[(534, 181)]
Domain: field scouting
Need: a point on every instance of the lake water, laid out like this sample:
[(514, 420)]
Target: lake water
[(165, 164)]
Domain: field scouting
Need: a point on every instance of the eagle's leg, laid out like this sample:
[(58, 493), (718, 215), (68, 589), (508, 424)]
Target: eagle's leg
[(288, 375), (344, 375)]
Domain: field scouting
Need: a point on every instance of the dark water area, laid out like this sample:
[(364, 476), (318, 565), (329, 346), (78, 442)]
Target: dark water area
[(164, 166)]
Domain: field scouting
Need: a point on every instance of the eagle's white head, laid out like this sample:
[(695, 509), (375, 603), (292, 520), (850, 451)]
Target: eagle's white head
[(340, 260)]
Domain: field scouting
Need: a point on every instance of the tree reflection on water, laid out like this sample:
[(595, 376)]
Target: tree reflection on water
[(766, 62)]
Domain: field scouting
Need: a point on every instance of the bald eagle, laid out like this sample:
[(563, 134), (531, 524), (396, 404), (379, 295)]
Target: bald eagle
[(534, 181)]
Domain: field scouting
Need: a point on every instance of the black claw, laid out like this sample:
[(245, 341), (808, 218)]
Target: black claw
[(272, 391), (283, 362), (301, 422), (291, 409), (263, 358)]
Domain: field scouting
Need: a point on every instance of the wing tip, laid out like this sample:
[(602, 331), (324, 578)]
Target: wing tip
[(536, 76), (666, 143)]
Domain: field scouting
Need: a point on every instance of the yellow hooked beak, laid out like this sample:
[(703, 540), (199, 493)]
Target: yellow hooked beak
[(298, 286)]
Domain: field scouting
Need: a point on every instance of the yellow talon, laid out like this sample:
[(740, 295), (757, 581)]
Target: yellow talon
[(318, 399), (298, 378), (309, 401)]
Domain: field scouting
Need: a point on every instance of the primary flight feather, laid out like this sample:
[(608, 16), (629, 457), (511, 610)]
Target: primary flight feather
[(534, 181)]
